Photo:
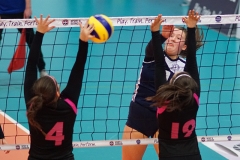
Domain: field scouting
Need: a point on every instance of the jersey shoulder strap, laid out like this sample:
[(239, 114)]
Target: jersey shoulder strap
[(73, 106)]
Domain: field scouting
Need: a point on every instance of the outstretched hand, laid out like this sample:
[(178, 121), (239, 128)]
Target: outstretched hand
[(192, 19), (155, 26), (85, 31), (166, 30), (43, 24)]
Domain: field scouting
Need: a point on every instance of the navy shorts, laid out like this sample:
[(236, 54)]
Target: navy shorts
[(142, 119)]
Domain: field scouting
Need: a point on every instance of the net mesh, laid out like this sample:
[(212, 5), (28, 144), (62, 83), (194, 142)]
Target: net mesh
[(111, 72)]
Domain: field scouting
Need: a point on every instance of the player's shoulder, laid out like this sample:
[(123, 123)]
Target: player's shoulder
[(182, 59)]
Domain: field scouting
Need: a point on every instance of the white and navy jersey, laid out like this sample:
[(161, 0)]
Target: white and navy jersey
[(56, 121), (177, 136), (145, 86)]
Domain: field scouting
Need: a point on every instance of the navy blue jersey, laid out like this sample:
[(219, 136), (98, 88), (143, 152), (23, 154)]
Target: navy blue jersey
[(177, 136), (1, 133), (56, 121), (12, 6), (145, 86)]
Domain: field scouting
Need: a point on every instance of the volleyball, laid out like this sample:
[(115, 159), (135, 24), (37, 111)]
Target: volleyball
[(103, 28)]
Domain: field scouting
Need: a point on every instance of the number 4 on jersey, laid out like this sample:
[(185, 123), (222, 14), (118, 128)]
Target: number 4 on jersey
[(56, 134)]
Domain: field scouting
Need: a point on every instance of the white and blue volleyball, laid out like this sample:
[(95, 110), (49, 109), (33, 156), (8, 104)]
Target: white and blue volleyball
[(103, 28)]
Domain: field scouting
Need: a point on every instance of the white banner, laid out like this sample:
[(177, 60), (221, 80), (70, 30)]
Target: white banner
[(109, 143), (123, 21)]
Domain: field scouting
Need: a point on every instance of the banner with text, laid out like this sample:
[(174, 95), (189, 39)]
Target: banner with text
[(124, 21), (217, 7)]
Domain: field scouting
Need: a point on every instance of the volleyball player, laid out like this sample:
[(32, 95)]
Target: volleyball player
[(19, 9), (2, 139), (51, 114), (142, 122), (177, 102)]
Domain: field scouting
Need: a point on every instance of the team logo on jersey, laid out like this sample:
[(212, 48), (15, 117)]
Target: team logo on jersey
[(175, 67)]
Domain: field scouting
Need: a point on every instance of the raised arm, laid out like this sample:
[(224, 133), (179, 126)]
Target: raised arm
[(31, 68), (191, 60), (74, 85), (166, 31), (160, 73)]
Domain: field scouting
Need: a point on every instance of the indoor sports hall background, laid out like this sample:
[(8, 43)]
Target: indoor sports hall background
[(113, 76)]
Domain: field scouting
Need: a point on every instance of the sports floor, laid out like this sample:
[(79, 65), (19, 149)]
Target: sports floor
[(103, 115)]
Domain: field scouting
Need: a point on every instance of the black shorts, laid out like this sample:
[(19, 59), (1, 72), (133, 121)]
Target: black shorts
[(70, 157), (142, 119), (179, 149), (193, 157)]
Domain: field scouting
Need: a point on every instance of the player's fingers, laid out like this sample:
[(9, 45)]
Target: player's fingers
[(50, 28), (160, 16), (37, 21), (184, 19), (51, 21), (91, 27), (80, 24), (86, 24), (46, 19), (40, 20), (91, 36)]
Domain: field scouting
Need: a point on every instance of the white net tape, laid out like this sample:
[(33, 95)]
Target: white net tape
[(123, 21), (109, 143)]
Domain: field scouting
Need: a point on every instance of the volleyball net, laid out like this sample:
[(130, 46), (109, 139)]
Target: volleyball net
[(111, 73)]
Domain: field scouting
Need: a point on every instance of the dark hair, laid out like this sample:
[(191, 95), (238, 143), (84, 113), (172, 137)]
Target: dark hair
[(44, 90), (199, 39), (177, 94)]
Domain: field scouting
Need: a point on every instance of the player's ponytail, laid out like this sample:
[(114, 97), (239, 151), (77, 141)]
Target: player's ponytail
[(45, 91), (35, 104)]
